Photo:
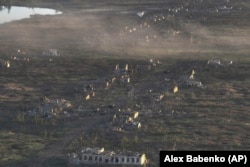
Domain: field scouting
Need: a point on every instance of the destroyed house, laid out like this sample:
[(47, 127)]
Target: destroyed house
[(126, 121), (99, 156), (51, 107)]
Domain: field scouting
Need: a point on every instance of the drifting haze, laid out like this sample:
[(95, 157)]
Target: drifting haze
[(122, 31)]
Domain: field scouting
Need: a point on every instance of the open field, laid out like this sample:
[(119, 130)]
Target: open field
[(93, 37)]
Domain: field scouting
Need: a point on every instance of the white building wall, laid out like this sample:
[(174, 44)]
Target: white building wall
[(86, 158)]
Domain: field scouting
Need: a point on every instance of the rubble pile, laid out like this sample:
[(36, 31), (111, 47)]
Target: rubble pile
[(125, 121), (51, 108), (190, 81)]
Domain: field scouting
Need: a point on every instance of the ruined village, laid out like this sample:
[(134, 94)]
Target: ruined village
[(113, 83), (137, 101)]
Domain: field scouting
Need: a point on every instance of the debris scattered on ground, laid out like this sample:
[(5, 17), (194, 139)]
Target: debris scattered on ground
[(50, 108), (125, 120)]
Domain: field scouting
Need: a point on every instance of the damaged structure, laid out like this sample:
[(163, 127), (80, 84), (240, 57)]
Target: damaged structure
[(214, 62), (191, 81), (218, 63), (4, 63), (125, 121), (50, 108), (99, 156)]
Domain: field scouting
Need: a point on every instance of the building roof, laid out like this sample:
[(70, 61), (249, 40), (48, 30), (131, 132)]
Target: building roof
[(100, 151)]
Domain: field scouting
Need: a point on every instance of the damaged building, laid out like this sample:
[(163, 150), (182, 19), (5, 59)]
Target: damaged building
[(190, 81), (126, 121), (99, 156), (50, 108)]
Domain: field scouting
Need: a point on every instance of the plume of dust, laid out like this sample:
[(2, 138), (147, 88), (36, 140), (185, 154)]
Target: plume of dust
[(107, 33)]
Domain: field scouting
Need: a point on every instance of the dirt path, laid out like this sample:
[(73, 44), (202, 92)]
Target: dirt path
[(58, 149)]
